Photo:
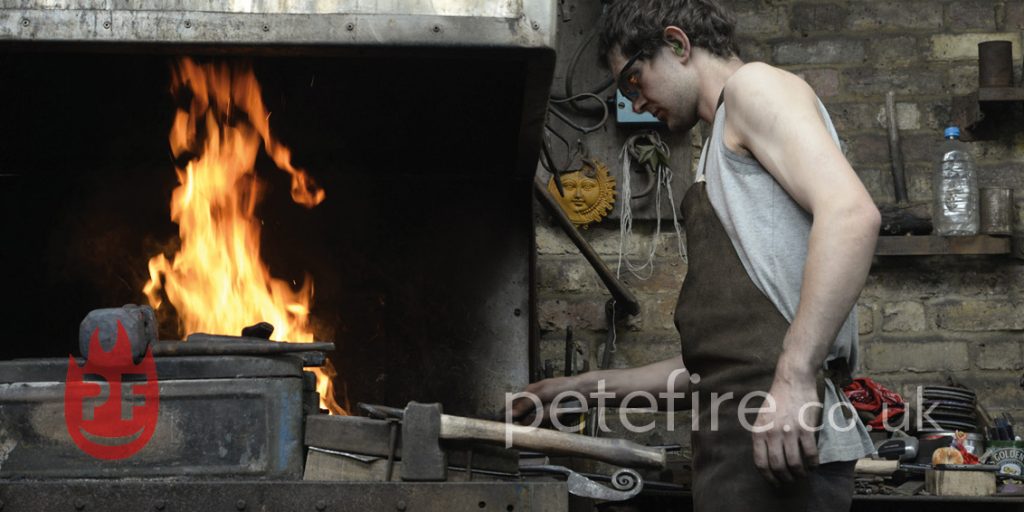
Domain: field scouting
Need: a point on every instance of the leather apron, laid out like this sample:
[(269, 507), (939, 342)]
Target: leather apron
[(731, 336)]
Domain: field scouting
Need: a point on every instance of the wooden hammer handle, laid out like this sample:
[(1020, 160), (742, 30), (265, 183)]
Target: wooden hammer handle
[(613, 451), (877, 467)]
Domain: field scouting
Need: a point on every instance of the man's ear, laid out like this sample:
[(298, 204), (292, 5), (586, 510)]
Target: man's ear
[(678, 41)]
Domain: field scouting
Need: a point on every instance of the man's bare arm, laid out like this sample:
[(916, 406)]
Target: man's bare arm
[(653, 378), (773, 115)]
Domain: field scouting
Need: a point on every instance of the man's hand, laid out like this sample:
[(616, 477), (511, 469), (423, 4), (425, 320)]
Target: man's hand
[(784, 444), (666, 380), (524, 409)]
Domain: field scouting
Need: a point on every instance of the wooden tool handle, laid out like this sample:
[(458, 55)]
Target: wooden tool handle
[(612, 451), (876, 467), (898, 175)]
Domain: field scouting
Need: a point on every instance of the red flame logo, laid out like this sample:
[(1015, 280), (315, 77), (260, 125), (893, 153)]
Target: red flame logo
[(108, 434)]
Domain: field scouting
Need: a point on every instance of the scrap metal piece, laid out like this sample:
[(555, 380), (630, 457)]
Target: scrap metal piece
[(626, 482), (381, 412), (365, 459), (259, 330)]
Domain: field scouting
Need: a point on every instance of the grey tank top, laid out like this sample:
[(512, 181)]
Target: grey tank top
[(770, 232)]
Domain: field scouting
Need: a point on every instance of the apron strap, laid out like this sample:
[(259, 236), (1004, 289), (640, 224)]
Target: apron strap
[(703, 166)]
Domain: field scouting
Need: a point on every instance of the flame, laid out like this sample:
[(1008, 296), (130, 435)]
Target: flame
[(217, 281)]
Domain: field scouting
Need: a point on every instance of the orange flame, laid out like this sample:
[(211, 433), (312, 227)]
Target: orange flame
[(217, 281)]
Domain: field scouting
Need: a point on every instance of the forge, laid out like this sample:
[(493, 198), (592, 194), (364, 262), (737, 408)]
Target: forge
[(420, 255), (418, 122)]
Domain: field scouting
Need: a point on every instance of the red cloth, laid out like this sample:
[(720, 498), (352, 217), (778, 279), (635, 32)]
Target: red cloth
[(870, 396)]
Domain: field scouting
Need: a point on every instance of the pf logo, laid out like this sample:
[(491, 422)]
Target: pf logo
[(118, 428)]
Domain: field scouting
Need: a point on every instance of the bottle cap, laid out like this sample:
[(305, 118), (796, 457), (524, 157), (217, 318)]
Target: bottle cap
[(952, 131)]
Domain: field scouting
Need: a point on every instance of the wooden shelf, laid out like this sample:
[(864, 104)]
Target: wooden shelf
[(939, 245), (1000, 94), (981, 115)]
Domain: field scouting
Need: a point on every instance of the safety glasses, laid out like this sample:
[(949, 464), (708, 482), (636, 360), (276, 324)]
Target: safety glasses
[(629, 78)]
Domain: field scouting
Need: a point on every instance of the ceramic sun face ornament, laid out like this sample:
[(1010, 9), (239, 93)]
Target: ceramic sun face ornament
[(589, 193)]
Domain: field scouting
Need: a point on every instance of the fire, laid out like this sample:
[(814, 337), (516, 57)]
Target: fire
[(217, 281)]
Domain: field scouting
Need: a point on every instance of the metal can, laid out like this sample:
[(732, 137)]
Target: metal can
[(1008, 455), (996, 211), (995, 64)]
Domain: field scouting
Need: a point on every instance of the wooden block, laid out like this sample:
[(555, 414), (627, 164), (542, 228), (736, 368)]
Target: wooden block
[(960, 483)]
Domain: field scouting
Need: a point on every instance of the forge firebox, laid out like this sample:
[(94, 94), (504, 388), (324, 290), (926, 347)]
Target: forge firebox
[(419, 120)]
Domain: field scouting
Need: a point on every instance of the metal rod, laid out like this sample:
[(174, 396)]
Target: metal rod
[(392, 447), (623, 296), (570, 352), (610, 308), (236, 347)]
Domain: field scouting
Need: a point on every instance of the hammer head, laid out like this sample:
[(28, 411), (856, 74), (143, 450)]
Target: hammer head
[(423, 460), (139, 323)]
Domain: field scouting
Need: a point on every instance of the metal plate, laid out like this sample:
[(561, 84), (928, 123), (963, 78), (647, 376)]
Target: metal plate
[(276, 495), (481, 8), (520, 24)]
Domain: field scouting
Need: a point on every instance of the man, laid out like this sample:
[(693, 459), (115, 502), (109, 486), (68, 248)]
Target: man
[(781, 234)]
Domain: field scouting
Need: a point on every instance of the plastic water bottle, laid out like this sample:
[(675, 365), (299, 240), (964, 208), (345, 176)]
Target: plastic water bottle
[(956, 189)]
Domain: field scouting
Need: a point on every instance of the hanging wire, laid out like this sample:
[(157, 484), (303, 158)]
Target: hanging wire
[(654, 154), (570, 72), (548, 162), (573, 124)]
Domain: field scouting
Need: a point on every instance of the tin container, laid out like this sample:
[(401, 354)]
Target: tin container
[(219, 417), (1008, 455), (995, 64), (996, 211)]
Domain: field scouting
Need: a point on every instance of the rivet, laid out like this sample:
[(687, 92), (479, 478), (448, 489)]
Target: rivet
[(350, 27), (437, 28), (25, 22), (266, 28), (400, 505), (160, 505), (188, 24), (535, 25), (320, 505), (517, 312), (106, 25), (79, 504), (240, 504)]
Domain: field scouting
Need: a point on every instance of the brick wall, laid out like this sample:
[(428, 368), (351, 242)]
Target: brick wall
[(922, 320)]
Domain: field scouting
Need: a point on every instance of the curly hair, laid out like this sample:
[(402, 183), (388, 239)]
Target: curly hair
[(637, 25)]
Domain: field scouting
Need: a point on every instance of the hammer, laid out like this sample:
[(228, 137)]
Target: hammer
[(903, 217), (424, 426)]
